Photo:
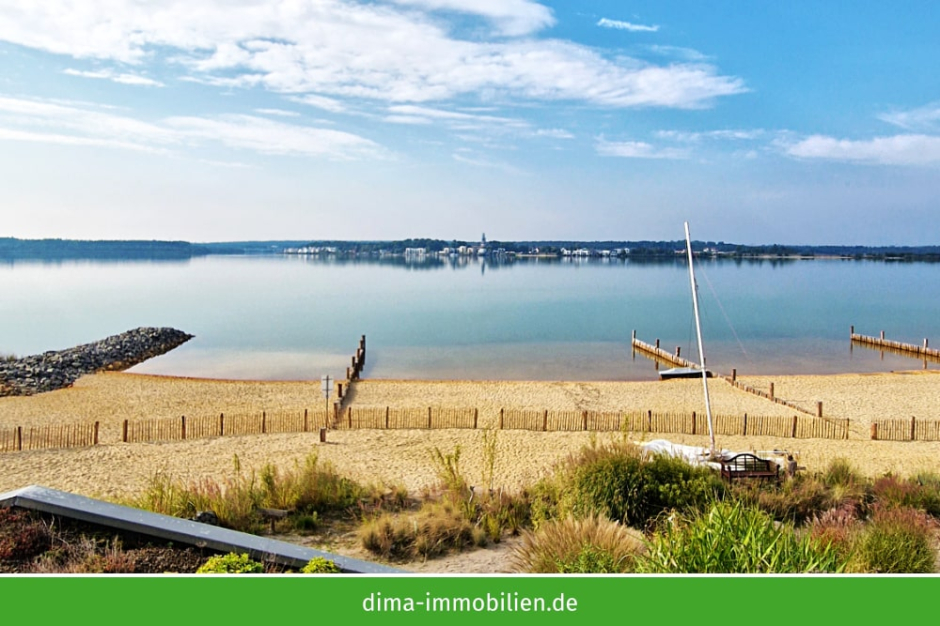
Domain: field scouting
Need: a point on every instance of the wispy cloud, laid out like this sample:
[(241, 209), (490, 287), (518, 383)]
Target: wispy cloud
[(278, 112), (47, 122), (270, 137), (925, 118), (722, 135), (629, 26), (399, 52), (123, 78), (918, 150), (511, 17), (637, 150), (321, 102)]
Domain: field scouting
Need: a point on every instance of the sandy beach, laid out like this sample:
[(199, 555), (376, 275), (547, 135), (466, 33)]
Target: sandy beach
[(403, 457)]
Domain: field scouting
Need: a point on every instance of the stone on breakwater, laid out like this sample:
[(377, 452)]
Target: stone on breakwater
[(56, 369)]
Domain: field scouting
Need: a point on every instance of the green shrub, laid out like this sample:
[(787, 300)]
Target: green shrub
[(841, 472), (320, 565), (591, 545), (897, 540), (737, 539), (616, 482), (231, 564)]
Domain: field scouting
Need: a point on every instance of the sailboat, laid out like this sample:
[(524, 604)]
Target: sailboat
[(695, 372)]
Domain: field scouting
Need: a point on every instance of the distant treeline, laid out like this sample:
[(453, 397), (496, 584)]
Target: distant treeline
[(56, 249), (52, 249)]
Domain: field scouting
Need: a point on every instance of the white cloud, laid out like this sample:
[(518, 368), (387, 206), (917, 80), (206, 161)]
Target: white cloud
[(278, 112), (620, 25), (926, 118), (39, 121), (123, 78), (321, 102), (512, 17), (339, 48), (695, 137), (637, 150), (269, 137), (554, 133), (893, 150)]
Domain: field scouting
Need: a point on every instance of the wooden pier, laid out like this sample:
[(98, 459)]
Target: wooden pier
[(658, 354), (908, 349)]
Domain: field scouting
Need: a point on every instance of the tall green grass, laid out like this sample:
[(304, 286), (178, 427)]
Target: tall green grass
[(306, 489), (737, 539), (593, 545)]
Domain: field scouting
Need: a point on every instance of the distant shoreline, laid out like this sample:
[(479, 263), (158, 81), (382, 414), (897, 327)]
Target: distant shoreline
[(71, 249)]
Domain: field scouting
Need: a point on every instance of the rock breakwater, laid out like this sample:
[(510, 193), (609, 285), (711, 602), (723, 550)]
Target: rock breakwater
[(56, 369)]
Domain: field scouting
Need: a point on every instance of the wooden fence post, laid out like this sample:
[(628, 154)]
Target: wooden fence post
[(583, 420), (771, 391), (501, 419), (545, 420), (819, 409), (183, 426), (793, 432), (264, 422), (734, 375), (874, 431), (96, 433), (305, 420), (349, 417), (745, 425), (693, 422), (386, 417), (429, 418), (649, 416), (913, 424), (19, 438), (476, 415), (221, 424), (124, 435)]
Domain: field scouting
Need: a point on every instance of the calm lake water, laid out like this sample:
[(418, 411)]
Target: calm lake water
[(280, 317)]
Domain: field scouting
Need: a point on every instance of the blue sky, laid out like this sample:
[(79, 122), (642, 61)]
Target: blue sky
[(758, 122)]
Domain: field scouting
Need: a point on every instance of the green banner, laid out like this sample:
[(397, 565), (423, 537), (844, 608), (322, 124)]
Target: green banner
[(412, 600)]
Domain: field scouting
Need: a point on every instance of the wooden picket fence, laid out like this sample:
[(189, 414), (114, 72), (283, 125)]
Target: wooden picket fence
[(49, 437), (905, 430), (223, 424), (798, 426), (401, 418)]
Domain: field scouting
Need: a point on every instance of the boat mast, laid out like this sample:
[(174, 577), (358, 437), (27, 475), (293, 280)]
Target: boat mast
[(701, 348)]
